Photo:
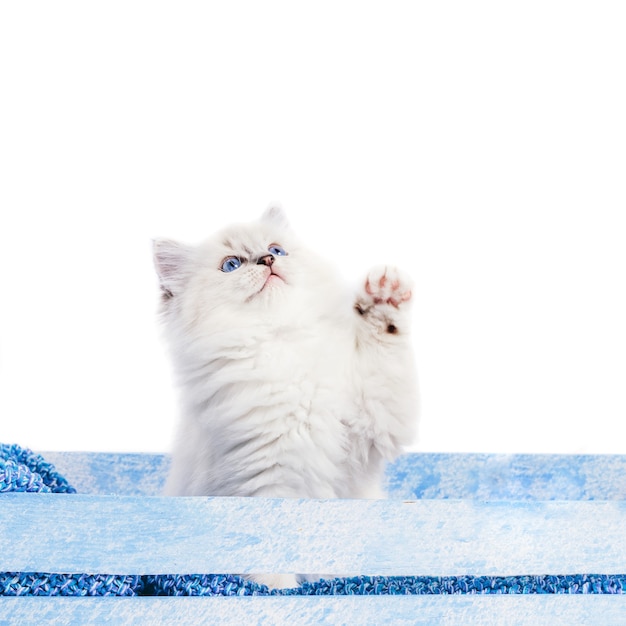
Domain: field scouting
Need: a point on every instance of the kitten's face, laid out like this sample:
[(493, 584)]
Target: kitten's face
[(250, 262), (248, 273), (249, 280)]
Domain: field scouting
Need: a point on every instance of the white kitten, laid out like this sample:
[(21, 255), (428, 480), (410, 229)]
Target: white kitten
[(289, 385)]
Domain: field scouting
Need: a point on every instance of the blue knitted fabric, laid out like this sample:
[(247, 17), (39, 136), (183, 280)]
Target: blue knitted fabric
[(224, 585), (40, 584), (21, 470)]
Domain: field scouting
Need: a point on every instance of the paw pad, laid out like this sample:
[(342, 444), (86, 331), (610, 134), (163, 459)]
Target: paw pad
[(386, 285)]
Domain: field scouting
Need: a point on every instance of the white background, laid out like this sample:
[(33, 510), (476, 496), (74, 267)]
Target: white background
[(481, 145)]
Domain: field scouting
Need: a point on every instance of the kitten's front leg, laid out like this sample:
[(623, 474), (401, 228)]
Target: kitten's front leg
[(384, 301), (386, 400)]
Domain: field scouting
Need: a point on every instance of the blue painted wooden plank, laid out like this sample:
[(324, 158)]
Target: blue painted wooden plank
[(412, 476), (107, 473), (145, 535), (508, 477), (529, 610)]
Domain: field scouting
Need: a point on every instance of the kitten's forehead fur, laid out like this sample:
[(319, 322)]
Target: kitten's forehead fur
[(249, 240)]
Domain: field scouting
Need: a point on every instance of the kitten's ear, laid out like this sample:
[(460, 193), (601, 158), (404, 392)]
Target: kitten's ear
[(275, 213), (172, 263)]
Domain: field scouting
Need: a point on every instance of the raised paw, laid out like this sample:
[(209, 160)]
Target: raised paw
[(387, 285)]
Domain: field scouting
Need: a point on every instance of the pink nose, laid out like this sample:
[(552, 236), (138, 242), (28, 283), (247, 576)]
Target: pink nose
[(268, 259)]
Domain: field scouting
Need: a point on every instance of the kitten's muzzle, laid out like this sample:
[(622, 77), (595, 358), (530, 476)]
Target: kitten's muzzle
[(267, 259)]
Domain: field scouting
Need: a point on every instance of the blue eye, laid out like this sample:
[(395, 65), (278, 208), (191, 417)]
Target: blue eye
[(230, 264), (276, 250)]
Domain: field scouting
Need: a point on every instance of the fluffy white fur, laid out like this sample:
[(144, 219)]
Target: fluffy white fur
[(290, 385)]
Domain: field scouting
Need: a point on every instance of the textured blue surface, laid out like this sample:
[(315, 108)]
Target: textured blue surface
[(23, 471), (42, 584), (518, 477), (203, 585)]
